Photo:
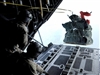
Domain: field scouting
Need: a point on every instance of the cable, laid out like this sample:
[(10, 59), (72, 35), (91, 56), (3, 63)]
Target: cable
[(41, 8), (40, 37), (36, 40), (30, 7)]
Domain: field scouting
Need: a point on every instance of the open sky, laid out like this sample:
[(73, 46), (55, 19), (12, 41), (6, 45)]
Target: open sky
[(52, 30)]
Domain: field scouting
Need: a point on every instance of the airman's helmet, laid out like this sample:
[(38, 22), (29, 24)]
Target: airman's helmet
[(24, 16)]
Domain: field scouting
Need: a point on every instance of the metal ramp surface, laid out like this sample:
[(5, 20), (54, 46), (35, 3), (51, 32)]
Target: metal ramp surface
[(70, 60)]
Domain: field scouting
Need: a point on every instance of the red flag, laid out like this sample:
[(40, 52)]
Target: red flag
[(85, 14)]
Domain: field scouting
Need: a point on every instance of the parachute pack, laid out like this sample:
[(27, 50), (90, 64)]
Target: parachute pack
[(78, 31)]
